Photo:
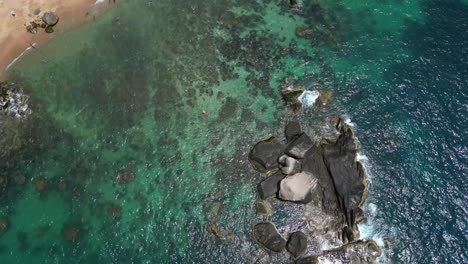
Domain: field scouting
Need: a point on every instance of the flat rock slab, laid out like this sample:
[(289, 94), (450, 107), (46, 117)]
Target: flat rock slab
[(270, 185), (297, 244), (266, 234), (299, 147), (298, 187)]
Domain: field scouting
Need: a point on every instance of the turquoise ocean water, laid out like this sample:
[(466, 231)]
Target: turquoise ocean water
[(135, 172)]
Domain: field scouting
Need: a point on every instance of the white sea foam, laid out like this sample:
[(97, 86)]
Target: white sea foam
[(19, 56), (308, 98), (361, 157), (348, 122)]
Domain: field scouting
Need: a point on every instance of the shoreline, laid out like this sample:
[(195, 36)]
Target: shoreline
[(17, 42)]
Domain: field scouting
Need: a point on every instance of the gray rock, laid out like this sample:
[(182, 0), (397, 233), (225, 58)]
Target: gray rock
[(50, 18), (289, 165), (263, 208), (348, 175), (358, 252), (266, 234), (298, 187), (49, 30), (292, 130), (270, 185), (297, 244), (299, 147), (266, 154)]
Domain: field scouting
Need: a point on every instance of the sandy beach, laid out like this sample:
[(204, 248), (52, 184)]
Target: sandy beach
[(15, 15)]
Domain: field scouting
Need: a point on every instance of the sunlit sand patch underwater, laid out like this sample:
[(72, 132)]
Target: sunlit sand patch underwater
[(143, 119)]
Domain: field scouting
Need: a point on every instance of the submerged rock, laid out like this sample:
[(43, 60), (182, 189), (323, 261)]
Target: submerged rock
[(298, 187), (72, 232), (304, 32), (20, 179), (214, 229), (263, 208), (50, 18), (4, 225), (40, 183), (297, 244), (115, 211), (126, 175), (270, 185), (3, 185), (267, 235)]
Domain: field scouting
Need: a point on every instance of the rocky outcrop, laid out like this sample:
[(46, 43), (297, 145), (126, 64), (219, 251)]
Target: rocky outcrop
[(297, 244), (324, 175), (291, 92), (267, 235), (47, 22)]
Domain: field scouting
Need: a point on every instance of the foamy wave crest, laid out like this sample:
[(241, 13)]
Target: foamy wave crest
[(308, 98), (21, 55)]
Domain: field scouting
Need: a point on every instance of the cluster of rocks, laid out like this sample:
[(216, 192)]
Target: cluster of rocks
[(294, 94), (12, 100), (327, 179), (46, 22)]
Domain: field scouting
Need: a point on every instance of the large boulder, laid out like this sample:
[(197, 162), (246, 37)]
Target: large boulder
[(270, 185), (50, 18), (292, 130), (348, 174), (289, 165), (299, 147), (266, 154), (266, 234), (298, 187), (297, 244), (291, 92)]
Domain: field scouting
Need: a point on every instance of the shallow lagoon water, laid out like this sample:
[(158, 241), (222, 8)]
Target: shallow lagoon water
[(124, 95)]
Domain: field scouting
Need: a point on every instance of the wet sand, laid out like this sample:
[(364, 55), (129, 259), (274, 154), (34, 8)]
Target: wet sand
[(15, 15)]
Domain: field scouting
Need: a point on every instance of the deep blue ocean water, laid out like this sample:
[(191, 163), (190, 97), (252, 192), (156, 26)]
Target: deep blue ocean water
[(125, 94)]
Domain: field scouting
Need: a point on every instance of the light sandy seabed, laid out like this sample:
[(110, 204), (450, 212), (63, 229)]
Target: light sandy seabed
[(14, 39)]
